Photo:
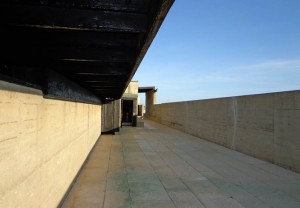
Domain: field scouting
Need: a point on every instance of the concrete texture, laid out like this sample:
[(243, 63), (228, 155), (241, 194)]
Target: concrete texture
[(265, 126), (43, 144), (157, 166), (132, 88), (112, 112), (150, 101), (111, 117), (131, 93)]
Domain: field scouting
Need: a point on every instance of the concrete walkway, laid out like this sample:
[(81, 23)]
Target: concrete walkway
[(157, 167)]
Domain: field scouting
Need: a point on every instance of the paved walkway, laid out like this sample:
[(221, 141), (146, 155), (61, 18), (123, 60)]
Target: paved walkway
[(158, 167)]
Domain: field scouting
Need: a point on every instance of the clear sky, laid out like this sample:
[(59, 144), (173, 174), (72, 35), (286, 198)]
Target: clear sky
[(219, 48)]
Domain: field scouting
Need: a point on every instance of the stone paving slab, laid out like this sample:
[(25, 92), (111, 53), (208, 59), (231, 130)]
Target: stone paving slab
[(159, 167)]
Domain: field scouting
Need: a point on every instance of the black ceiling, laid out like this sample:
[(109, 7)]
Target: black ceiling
[(97, 45)]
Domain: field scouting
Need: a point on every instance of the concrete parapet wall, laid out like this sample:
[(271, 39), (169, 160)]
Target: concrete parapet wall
[(43, 144), (266, 126)]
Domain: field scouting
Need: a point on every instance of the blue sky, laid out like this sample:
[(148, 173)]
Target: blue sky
[(219, 48)]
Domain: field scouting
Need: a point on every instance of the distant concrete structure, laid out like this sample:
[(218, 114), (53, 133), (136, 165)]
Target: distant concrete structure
[(121, 112), (129, 102), (150, 97)]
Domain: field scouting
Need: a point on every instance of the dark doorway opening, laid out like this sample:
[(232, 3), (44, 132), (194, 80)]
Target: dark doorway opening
[(127, 112)]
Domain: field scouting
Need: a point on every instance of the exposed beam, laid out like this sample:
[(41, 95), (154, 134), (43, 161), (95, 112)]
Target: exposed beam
[(105, 85), (139, 6), (72, 19), (71, 54), (100, 79), (28, 37), (93, 68), (96, 72), (97, 82), (107, 91), (71, 66)]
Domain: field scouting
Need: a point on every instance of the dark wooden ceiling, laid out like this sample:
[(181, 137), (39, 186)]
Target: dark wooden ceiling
[(96, 44)]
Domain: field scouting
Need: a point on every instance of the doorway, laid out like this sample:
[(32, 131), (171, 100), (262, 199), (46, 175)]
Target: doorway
[(127, 112)]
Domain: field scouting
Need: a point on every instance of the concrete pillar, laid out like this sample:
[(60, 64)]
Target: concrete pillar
[(150, 101)]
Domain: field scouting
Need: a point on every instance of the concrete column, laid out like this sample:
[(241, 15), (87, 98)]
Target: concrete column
[(150, 101)]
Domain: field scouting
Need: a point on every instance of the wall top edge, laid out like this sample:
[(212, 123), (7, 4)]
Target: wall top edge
[(238, 96), (19, 88)]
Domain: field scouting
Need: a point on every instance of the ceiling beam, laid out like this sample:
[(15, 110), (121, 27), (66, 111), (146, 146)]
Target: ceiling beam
[(27, 37), (72, 19), (139, 6), (71, 54), (94, 80)]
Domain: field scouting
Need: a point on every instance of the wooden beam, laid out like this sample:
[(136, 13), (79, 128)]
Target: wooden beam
[(104, 85), (139, 6), (71, 54), (27, 37), (94, 71), (93, 80), (72, 19)]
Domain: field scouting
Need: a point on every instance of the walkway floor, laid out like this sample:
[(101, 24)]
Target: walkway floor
[(158, 167)]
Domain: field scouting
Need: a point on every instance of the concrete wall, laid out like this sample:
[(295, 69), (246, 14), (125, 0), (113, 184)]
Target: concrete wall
[(133, 88), (131, 93), (43, 144), (111, 117), (266, 126)]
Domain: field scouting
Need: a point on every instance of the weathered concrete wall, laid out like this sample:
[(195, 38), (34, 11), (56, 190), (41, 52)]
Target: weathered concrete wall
[(111, 117), (131, 93), (43, 144), (133, 88), (266, 126)]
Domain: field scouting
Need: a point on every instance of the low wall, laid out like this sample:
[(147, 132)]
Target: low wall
[(265, 126), (43, 144)]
